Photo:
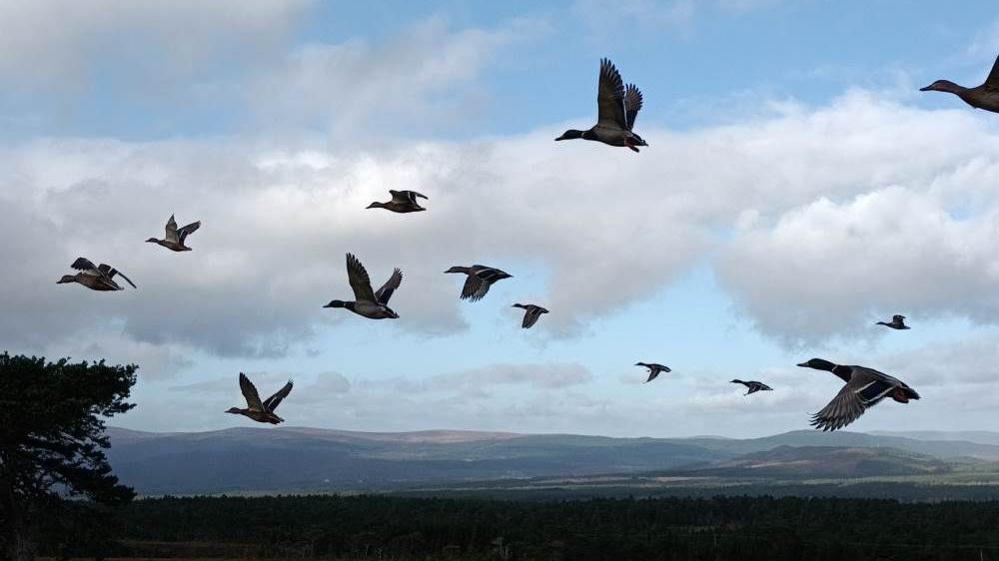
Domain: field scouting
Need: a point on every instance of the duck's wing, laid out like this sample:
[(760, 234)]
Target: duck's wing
[(610, 97), (390, 286), (414, 195), (897, 318), (474, 288), (275, 400), (632, 103), (110, 272), (864, 390), (992, 82), (188, 230), (171, 230), (250, 393), (359, 280), (400, 196), (83, 264), (531, 316)]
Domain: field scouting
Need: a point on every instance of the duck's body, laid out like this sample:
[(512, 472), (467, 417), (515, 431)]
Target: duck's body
[(897, 322), (655, 369), (367, 302), (480, 278), (402, 202), (261, 412), (985, 96), (175, 237), (865, 388), (617, 108), (99, 277), (753, 386), (531, 314)]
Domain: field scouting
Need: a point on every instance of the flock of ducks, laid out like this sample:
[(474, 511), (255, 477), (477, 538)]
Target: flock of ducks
[(618, 105)]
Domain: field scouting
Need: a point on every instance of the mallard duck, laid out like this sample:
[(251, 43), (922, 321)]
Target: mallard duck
[(480, 278), (368, 303), (897, 322), (260, 412), (531, 314), (654, 369), (617, 107), (402, 201), (753, 386), (864, 388), (100, 277), (174, 238), (985, 96)]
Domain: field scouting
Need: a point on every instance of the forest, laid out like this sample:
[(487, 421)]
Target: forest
[(382, 527)]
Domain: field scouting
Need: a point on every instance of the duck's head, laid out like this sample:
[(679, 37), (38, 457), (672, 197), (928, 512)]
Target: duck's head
[(570, 134), (66, 278), (736, 381), (234, 410), (818, 364), (152, 240), (336, 304), (942, 86), (456, 269), (376, 204)]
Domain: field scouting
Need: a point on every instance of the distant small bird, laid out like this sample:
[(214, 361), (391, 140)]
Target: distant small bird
[(654, 369), (617, 107), (531, 314), (367, 303), (480, 278), (95, 278), (864, 388), (753, 386), (260, 412), (985, 96), (174, 238), (897, 322), (402, 202)]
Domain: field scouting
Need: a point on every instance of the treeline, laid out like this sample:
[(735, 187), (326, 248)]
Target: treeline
[(376, 527)]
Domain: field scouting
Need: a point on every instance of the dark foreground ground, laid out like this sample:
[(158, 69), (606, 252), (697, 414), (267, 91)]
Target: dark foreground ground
[(377, 527)]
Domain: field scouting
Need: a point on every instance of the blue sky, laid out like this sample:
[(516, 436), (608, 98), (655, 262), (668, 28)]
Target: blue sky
[(798, 188)]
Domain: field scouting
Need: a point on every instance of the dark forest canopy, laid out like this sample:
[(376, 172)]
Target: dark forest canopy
[(741, 528), (52, 441)]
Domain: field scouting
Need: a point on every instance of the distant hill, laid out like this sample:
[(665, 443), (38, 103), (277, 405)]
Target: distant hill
[(977, 436), (292, 459)]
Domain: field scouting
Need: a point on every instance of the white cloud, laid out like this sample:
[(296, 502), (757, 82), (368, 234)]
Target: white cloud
[(46, 43)]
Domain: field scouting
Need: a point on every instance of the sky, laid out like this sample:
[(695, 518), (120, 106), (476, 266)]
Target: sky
[(797, 188)]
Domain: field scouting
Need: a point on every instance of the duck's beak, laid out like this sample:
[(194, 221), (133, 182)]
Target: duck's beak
[(803, 365), (927, 88)]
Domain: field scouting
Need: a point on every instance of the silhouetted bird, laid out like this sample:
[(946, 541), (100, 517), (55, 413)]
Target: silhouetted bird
[(897, 322), (617, 107), (531, 314), (753, 386), (174, 238), (402, 202), (480, 278), (367, 303), (864, 388), (95, 278), (654, 369), (985, 96), (260, 412)]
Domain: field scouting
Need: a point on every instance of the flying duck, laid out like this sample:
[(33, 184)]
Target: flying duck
[(480, 278), (95, 278), (260, 412), (654, 369), (985, 96), (897, 322), (402, 201), (864, 388), (753, 386), (174, 238), (531, 314), (617, 107), (368, 303)]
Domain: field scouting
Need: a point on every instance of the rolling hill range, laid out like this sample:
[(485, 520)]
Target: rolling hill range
[(261, 460)]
